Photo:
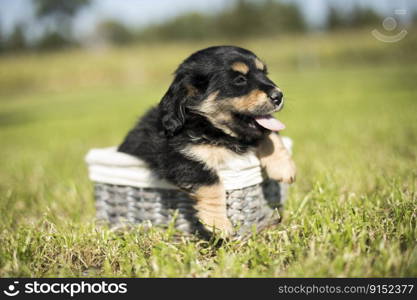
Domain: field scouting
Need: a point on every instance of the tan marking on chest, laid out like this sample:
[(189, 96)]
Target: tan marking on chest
[(212, 156)]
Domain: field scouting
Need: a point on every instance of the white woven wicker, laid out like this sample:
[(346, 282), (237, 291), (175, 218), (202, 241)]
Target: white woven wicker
[(126, 192)]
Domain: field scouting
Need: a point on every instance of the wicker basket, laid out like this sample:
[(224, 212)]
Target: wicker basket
[(254, 206), (122, 202)]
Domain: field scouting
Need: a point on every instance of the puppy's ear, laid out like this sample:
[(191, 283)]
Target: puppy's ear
[(173, 104)]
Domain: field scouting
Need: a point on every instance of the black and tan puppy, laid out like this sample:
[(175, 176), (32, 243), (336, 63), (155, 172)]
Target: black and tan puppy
[(218, 106)]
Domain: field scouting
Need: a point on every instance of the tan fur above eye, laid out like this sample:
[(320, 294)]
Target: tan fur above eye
[(240, 67), (260, 65)]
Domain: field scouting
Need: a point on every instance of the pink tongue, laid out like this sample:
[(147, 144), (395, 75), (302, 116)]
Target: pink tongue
[(269, 122)]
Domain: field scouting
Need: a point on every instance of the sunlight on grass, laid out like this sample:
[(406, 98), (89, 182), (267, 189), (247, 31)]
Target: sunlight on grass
[(352, 211)]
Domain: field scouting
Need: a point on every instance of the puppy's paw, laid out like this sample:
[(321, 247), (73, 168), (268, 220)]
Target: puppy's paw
[(226, 228), (221, 225), (282, 170)]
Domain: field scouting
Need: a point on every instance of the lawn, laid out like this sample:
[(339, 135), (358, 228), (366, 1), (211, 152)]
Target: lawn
[(352, 113)]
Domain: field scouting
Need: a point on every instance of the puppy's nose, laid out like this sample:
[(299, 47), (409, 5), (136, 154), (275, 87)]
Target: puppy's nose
[(276, 97)]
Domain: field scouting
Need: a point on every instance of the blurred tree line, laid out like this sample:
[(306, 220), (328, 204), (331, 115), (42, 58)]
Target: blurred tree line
[(356, 18), (245, 18), (56, 17)]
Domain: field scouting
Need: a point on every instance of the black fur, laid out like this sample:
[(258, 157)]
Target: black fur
[(165, 130)]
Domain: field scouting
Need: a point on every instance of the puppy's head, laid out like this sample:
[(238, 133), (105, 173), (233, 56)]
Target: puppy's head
[(228, 86)]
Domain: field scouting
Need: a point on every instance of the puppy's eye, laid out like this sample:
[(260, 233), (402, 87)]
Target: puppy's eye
[(240, 80)]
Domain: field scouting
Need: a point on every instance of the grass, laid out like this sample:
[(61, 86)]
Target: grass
[(351, 112)]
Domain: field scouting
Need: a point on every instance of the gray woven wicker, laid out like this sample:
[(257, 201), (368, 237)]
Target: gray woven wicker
[(249, 208)]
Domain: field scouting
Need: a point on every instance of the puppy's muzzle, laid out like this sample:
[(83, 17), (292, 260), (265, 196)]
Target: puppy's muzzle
[(277, 98)]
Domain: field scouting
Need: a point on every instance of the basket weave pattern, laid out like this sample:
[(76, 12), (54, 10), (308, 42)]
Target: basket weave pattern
[(251, 206)]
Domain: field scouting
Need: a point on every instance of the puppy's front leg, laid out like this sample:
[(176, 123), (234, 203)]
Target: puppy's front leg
[(188, 171), (211, 207), (275, 159)]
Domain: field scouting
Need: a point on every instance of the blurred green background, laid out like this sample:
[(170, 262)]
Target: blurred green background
[(73, 77)]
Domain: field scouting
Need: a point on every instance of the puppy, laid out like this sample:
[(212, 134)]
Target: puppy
[(219, 106)]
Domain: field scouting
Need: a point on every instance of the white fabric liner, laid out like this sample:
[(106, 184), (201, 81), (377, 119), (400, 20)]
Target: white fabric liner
[(107, 165)]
